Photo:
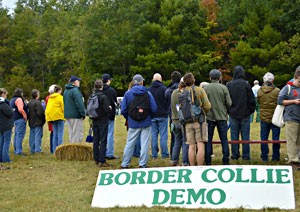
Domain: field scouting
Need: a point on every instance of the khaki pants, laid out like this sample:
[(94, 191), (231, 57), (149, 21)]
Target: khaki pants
[(75, 127), (194, 134), (293, 140)]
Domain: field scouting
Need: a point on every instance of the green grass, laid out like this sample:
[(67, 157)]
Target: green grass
[(41, 183)]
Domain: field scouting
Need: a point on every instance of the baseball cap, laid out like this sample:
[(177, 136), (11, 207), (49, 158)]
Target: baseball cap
[(74, 78), (106, 77), (215, 73), (138, 78)]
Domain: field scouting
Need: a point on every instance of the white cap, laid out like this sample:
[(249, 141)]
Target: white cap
[(51, 89)]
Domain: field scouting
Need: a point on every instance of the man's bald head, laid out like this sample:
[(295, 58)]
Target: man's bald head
[(157, 76)]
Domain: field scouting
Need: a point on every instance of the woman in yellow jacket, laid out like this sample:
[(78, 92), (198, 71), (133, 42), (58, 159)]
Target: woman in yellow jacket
[(55, 115)]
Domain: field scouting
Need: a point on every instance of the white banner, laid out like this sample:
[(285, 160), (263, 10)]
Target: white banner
[(251, 187)]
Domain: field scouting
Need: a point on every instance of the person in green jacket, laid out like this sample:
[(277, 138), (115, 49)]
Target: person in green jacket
[(220, 100), (74, 110), (267, 100)]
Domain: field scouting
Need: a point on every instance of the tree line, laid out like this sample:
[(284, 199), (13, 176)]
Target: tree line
[(44, 42)]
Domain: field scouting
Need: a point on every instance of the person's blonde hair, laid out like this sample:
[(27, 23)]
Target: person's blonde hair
[(3, 90)]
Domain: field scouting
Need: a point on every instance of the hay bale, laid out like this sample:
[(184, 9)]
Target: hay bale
[(75, 151)]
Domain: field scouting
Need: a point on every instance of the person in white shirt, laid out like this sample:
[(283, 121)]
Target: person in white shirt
[(255, 88)]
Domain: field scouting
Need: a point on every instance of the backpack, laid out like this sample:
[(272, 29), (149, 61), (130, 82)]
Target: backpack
[(92, 106), (277, 118), (139, 107), (189, 108)]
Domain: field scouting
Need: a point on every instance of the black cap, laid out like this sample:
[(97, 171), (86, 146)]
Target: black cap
[(106, 77)]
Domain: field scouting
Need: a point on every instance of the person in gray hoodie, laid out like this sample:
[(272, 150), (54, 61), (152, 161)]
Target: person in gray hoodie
[(290, 98)]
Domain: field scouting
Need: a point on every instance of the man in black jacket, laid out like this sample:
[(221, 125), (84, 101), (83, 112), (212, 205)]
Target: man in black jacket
[(175, 77), (100, 126), (111, 95), (243, 105), (160, 118)]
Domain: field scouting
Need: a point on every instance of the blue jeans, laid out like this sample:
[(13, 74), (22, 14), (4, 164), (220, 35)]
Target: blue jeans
[(137, 148), (130, 144), (35, 139), (110, 139), (180, 142), (51, 141), (58, 133), (264, 136), (20, 131), (240, 126), (159, 125), (222, 130), (5, 138)]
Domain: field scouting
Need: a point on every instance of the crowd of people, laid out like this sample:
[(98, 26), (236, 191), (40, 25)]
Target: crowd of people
[(190, 112)]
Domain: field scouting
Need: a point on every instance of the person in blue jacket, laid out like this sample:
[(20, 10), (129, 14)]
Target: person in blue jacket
[(136, 128)]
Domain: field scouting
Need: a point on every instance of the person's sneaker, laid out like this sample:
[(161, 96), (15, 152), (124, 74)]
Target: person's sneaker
[(112, 157), (23, 154), (247, 159), (124, 167), (226, 163), (104, 165), (143, 166), (97, 163)]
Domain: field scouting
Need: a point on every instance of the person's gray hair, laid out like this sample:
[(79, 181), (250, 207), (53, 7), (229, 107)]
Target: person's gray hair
[(268, 77), (255, 82)]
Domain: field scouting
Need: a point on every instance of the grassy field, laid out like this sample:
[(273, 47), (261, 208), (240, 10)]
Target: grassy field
[(39, 182)]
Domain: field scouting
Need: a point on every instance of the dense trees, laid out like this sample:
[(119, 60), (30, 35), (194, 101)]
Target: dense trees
[(44, 42)]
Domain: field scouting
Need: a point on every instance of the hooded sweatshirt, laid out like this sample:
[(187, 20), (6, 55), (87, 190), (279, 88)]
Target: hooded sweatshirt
[(137, 90), (73, 103), (157, 89), (267, 100), (55, 108), (6, 115), (243, 101)]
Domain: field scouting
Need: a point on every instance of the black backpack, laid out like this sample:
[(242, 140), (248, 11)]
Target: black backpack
[(189, 107), (139, 107)]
